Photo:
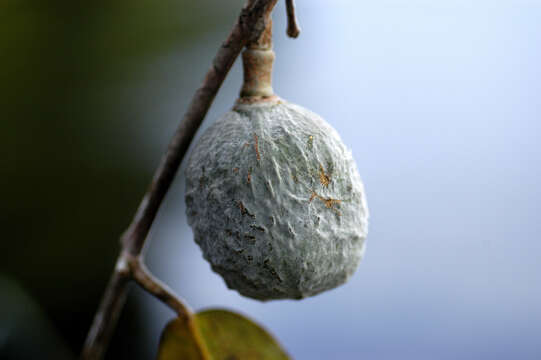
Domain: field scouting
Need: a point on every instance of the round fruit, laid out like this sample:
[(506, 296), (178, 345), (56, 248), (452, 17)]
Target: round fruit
[(275, 201)]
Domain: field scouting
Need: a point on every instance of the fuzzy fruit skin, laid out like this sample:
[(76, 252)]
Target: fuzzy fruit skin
[(275, 202)]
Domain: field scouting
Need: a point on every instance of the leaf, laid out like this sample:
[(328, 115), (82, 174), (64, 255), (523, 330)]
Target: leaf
[(217, 335), (181, 340)]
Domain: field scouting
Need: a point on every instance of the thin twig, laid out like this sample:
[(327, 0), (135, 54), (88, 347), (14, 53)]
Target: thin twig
[(108, 312), (249, 26), (147, 281), (293, 29)]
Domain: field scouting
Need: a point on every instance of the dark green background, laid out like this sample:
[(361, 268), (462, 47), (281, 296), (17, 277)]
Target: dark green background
[(71, 143)]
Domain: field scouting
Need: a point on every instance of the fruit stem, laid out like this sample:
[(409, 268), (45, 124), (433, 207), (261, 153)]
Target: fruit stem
[(257, 60)]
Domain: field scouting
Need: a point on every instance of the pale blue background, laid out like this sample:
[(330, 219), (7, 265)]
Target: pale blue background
[(440, 103)]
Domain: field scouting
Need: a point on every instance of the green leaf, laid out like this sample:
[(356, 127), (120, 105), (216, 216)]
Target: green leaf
[(217, 335)]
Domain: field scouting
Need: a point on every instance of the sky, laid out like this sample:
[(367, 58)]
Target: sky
[(439, 102)]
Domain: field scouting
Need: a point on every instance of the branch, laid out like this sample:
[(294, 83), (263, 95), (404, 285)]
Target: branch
[(108, 313), (293, 29), (249, 26)]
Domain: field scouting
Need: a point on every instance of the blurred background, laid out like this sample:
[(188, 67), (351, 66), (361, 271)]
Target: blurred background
[(439, 101)]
